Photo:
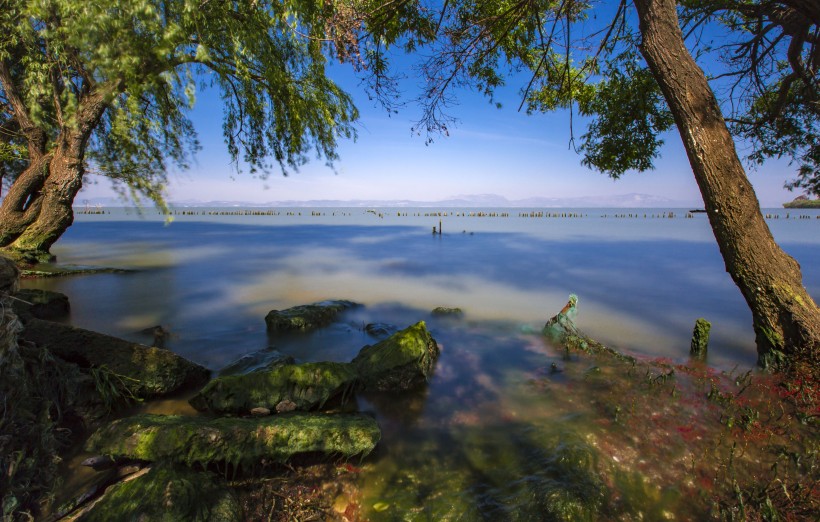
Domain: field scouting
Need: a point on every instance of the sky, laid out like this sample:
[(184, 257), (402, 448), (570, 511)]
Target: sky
[(490, 151)]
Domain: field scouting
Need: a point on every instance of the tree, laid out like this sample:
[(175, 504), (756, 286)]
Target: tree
[(106, 85), (637, 80)]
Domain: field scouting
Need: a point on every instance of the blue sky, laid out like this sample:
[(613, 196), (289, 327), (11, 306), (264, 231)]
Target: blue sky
[(490, 151)]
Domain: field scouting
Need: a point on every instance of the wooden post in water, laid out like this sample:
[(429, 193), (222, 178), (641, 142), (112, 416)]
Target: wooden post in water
[(700, 339)]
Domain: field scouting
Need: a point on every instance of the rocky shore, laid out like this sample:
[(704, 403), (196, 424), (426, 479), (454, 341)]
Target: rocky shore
[(264, 414)]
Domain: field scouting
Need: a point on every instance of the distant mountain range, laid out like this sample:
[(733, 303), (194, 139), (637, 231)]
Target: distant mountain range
[(633, 200)]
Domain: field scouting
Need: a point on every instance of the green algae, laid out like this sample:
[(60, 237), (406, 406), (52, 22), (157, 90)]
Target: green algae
[(536, 473), (169, 494), (400, 362), (700, 339), (308, 386), (236, 441), (506, 471), (305, 318)]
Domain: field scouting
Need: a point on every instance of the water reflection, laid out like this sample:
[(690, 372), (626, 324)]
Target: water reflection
[(211, 283)]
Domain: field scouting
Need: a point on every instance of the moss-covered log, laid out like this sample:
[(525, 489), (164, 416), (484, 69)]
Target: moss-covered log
[(561, 329), (145, 371), (167, 494), (235, 441), (400, 362), (308, 386), (306, 317)]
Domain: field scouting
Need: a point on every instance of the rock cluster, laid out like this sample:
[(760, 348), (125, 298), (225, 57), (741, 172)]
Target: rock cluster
[(271, 410)]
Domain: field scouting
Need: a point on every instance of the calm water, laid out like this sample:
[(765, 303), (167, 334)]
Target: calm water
[(641, 281)]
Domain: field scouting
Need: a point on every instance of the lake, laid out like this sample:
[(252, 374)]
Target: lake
[(643, 276)]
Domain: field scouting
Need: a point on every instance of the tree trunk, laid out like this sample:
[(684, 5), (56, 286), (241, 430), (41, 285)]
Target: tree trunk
[(23, 201), (786, 318), (38, 208), (65, 174)]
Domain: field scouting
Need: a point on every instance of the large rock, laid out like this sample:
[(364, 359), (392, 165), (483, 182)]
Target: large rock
[(402, 361), (9, 275), (237, 441), (306, 317), (308, 386), (167, 493), (41, 304), (146, 371)]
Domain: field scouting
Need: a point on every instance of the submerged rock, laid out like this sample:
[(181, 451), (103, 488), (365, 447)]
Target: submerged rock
[(262, 360), (380, 330), (167, 493), (145, 371), (42, 304), (305, 318), (236, 441), (400, 362), (308, 386)]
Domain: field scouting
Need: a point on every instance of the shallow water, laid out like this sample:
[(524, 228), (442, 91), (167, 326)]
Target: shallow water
[(480, 440)]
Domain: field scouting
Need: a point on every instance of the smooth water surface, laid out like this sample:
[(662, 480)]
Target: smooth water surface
[(478, 437)]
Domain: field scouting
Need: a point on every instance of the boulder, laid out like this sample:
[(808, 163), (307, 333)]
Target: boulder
[(167, 493), (145, 371), (41, 304), (400, 362), (9, 275), (309, 386), (305, 318), (199, 441), (259, 361)]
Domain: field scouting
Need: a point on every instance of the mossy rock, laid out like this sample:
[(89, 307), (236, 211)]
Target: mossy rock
[(236, 441), (9, 275), (146, 371), (309, 386), (444, 311), (41, 304), (305, 318), (169, 494), (401, 362)]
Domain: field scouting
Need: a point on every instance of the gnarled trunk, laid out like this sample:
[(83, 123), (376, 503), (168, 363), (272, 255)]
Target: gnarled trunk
[(23, 201), (55, 213), (786, 318)]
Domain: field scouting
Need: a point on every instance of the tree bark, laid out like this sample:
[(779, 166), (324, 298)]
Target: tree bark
[(23, 201), (55, 213), (786, 319)]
